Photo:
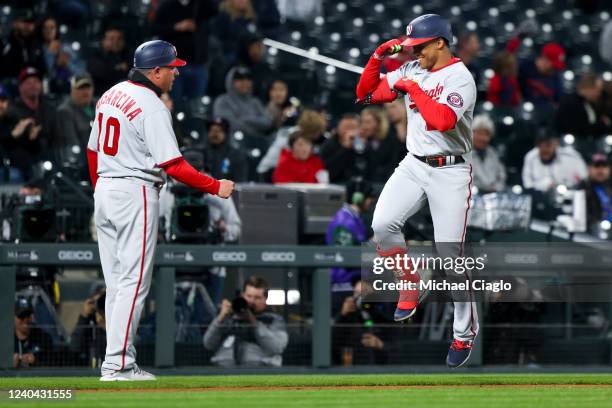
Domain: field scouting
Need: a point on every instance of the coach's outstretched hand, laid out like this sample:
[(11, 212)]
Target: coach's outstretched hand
[(226, 188), (388, 48)]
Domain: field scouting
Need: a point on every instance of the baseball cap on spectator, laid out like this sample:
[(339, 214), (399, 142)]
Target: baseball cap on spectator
[(23, 308), (29, 72), (555, 54), (599, 159), (3, 93), (242, 73), (220, 122), (545, 135), (24, 14), (81, 81)]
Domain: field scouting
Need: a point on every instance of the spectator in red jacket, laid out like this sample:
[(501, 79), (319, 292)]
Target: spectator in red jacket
[(504, 88), (298, 164)]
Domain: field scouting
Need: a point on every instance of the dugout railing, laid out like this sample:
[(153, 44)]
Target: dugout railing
[(316, 258)]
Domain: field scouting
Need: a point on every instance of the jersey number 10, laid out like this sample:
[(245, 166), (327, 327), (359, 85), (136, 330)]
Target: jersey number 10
[(112, 124)]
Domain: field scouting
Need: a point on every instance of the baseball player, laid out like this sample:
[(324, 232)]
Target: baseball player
[(130, 147), (440, 94)]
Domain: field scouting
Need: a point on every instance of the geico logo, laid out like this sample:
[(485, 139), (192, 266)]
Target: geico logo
[(229, 256), (521, 258), (75, 255), (278, 256)]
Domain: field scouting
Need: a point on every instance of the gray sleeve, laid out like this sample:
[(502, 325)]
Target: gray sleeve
[(527, 173), (272, 338), (261, 122), (214, 335), (500, 180), (268, 162), (232, 220), (222, 108), (605, 43)]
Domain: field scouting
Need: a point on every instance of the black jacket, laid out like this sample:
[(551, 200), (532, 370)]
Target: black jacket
[(191, 46), (572, 117), (108, 69), (226, 162), (339, 161)]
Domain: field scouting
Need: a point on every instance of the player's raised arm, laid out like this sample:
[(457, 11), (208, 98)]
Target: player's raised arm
[(372, 88)]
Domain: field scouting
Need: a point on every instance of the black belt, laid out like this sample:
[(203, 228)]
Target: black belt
[(440, 160)]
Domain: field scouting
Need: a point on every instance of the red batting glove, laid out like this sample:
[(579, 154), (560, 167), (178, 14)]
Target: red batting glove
[(389, 48), (404, 85)]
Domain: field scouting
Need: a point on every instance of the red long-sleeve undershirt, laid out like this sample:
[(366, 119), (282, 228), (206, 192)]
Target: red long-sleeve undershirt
[(177, 168), (92, 163), (437, 115), (372, 87)]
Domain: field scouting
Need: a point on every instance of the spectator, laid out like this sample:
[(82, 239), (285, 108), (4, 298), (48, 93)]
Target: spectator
[(598, 191), (468, 47), (244, 333), (221, 158), (236, 19), (338, 153), (540, 79), (488, 171), (354, 330), (32, 104), (21, 48), (298, 164), (33, 347), (278, 106), (305, 11), (251, 52), (88, 339), (19, 143), (382, 153), (268, 16), (75, 116), (111, 63), (240, 108), (398, 120), (184, 23), (549, 165), (582, 114), (504, 89), (310, 122), (347, 228), (61, 62)]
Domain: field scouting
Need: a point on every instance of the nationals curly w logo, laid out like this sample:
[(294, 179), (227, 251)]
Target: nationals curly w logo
[(409, 29), (454, 99)]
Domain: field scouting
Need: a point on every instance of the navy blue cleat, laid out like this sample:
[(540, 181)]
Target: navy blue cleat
[(403, 314), (459, 353)]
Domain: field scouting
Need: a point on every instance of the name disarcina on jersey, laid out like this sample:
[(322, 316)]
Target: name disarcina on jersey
[(121, 101)]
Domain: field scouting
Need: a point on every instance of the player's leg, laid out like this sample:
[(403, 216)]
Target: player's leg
[(135, 214), (449, 197), (107, 246), (402, 197)]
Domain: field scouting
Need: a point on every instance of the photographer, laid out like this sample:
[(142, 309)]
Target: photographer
[(354, 332), (244, 333), (33, 347), (89, 335)]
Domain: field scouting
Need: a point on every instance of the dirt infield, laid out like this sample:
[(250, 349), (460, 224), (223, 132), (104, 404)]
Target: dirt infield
[(344, 387)]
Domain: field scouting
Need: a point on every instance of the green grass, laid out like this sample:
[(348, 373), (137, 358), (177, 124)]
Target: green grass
[(556, 391)]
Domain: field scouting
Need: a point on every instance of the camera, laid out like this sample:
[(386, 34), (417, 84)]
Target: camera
[(240, 306)]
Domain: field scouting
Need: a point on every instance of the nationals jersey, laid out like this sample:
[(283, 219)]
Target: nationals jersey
[(452, 85), (132, 133)]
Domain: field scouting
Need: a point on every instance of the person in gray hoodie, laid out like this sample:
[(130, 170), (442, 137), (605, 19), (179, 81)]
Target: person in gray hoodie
[(243, 111), (245, 333)]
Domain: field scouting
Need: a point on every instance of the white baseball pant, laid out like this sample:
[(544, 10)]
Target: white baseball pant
[(126, 216), (448, 191)]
